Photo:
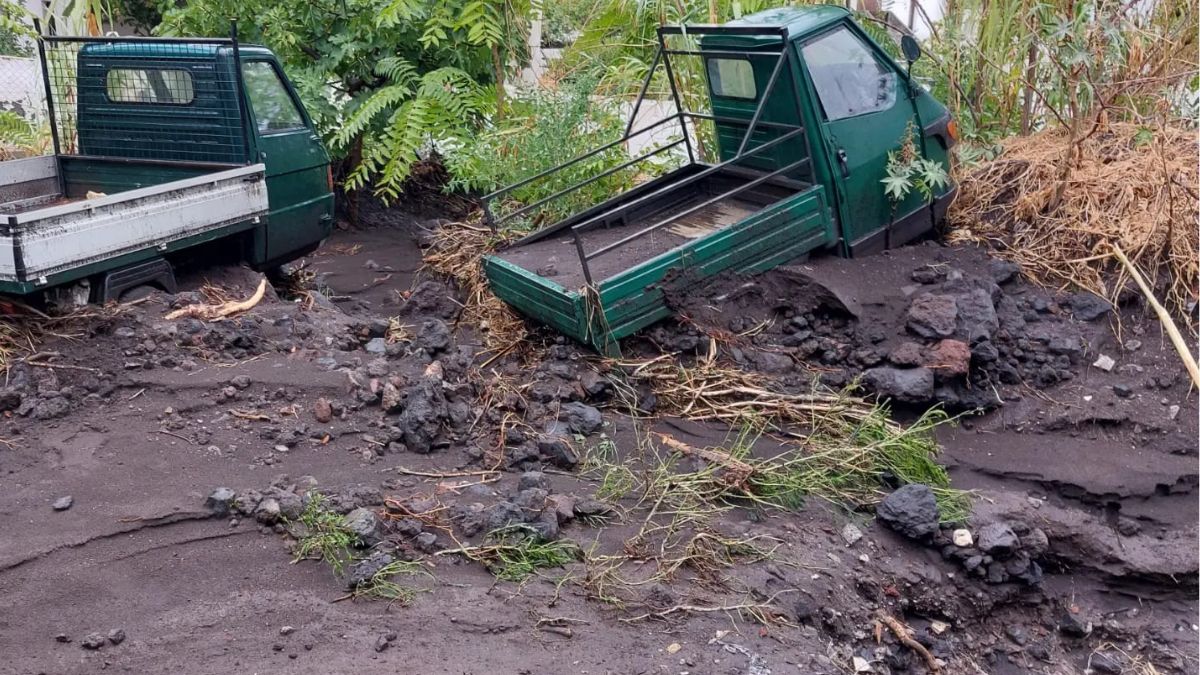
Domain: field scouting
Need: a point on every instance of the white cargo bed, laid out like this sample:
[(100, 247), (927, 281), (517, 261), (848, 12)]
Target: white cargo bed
[(37, 241)]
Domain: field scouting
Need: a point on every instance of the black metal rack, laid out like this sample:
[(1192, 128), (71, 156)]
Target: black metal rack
[(59, 61), (784, 57)]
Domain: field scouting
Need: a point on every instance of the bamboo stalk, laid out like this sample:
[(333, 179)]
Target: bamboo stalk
[(1189, 361)]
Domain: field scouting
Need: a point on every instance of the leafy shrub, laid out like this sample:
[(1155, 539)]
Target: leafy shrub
[(542, 130)]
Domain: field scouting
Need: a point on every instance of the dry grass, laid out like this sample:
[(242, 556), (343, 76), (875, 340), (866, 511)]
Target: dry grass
[(709, 391), (457, 251), (1136, 190)]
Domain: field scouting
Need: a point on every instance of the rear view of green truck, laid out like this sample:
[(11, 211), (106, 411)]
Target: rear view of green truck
[(161, 145), (804, 110)]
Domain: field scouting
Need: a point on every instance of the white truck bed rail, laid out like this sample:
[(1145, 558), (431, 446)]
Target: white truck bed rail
[(36, 243)]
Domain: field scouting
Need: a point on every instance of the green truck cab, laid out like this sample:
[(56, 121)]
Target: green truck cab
[(805, 109), (161, 145)]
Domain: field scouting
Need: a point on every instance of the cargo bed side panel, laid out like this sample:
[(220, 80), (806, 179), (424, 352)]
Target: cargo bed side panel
[(536, 297), (635, 298), (54, 239)]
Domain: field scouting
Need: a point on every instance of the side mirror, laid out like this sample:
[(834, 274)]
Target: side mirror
[(910, 48)]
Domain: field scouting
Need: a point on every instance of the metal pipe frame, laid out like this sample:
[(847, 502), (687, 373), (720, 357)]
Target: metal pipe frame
[(137, 38), (718, 29), (721, 52), (763, 103), (589, 181), (735, 120)]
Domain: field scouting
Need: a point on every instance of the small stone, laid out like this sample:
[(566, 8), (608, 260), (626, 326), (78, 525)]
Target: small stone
[(376, 346), (1172, 412), (382, 643), (1122, 390), (558, 451), (63, 638), (997, 539), (962, 538), (911, 510), (426, 542), (323, 411), (116, 636), (1017, 634), (1105, 363), (287, 630), (851, 534), (268, 511), (1133, 345), (1072, 624), (93, 641), (63, 503), (861, 665), (221, 501), (581, 418), (533, 479), (949, 357), (933, 316), (363, 524)]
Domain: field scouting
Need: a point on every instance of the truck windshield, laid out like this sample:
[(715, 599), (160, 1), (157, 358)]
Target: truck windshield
[(848, 77)]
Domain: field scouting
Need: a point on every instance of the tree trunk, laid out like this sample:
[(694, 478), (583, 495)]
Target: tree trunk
[(498, 66), (352, 196), (1027, 104)]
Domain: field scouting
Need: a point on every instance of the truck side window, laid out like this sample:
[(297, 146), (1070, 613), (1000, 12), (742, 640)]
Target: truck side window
[(149, 85), (848, 77), (732, 78), (273, 107)]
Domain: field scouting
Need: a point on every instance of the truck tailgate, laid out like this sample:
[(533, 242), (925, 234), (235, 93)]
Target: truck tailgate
[(37, 243)]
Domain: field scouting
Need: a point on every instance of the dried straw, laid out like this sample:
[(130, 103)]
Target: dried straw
[(456, 251), (1134, 191)]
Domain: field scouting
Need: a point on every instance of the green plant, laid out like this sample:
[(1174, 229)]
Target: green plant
[(383, 79), (516, 552), (382, 584), (543, 129), (15, 30), (908, 170), (323, 534), (20, 137)]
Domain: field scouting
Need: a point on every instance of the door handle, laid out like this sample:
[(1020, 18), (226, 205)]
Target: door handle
[(841, 158)]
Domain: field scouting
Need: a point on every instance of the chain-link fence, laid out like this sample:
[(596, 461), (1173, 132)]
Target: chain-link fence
[(24, 125)]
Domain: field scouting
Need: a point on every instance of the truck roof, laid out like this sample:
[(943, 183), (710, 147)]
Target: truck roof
[(798, 21), (158, 49)]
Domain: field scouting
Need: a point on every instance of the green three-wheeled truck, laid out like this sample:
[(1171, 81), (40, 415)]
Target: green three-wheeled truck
[(805, 109), (161, 145)]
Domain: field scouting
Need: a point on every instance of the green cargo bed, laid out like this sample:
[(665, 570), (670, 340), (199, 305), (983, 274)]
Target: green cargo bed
[(543, 276)]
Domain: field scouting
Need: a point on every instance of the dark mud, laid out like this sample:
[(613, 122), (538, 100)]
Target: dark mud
[(328, 392)]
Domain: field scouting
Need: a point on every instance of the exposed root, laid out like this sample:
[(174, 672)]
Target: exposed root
[(208, 312), (902, 634)]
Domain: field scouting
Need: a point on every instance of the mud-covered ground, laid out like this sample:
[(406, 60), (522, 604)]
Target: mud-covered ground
[(1083, 529)]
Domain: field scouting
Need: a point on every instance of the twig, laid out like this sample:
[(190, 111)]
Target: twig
[(182, 438), (62, 365), (447, 474), (902, 635), (212, 312), (1168, 324)]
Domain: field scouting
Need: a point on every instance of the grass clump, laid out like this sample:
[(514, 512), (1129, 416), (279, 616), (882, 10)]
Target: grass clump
[(323, 535), (382, 584), (518, 552)]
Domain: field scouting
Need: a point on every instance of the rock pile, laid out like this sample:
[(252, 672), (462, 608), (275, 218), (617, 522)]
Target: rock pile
[(999, 552)]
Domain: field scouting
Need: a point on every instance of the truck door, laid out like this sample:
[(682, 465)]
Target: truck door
[(865, 114), (297, 164)]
